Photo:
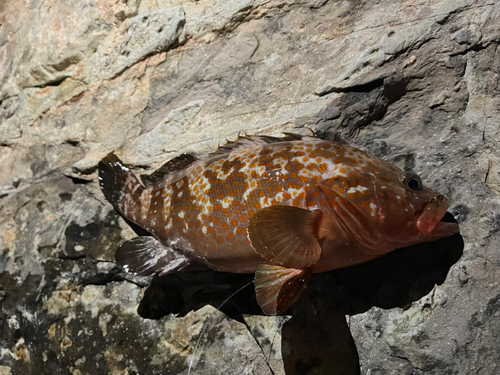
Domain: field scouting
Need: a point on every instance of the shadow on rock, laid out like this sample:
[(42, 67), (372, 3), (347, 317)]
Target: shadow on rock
[(316, 339)]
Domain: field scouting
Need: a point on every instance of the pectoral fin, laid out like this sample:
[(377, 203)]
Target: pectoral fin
[(146, 255), (286, 236), (277, 288)]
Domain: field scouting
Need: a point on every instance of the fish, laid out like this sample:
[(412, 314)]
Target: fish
[(283, 208)]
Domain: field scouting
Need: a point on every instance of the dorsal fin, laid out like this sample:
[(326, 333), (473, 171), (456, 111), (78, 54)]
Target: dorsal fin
[(173, 165), (254, 140)]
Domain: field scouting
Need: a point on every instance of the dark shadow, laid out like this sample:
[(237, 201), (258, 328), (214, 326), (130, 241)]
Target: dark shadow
[(183, 292), (318, 341), (317, 332)]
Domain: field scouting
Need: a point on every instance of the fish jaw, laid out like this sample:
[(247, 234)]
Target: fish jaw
[(445, 229), (429, 222)]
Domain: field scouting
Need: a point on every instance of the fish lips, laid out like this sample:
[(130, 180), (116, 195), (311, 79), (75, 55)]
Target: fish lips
[(429, 222)]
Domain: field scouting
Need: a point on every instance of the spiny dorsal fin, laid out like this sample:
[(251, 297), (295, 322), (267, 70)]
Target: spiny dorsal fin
[(173, 165), (256, 140)]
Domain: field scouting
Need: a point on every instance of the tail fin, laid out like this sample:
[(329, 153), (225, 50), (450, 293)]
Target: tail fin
[(120, 186)]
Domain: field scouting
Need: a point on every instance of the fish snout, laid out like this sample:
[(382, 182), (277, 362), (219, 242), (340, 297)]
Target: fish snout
[(440, 201), (432, 213)]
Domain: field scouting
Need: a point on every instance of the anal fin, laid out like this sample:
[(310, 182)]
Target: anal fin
[(146, 255), (277, 288)]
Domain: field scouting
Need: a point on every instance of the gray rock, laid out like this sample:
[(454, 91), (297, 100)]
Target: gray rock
[(139, 37)]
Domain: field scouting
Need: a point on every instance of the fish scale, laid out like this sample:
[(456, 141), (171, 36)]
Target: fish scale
[(283, 208)]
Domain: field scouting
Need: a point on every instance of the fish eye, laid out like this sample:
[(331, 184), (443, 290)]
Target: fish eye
[(413, 181)]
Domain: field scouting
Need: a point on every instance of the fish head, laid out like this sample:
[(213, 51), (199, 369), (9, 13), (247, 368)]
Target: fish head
[(407, 211), (381, 208)]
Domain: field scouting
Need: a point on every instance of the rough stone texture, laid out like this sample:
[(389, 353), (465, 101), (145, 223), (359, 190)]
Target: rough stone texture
[(414, 82)]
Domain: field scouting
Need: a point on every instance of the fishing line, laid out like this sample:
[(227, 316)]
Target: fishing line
[(280, 328), (205, 325)]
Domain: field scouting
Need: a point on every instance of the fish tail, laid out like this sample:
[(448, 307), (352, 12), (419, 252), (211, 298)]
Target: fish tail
[(120, 186)]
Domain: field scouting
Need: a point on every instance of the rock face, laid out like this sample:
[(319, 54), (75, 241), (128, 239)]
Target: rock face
[(414, 82)]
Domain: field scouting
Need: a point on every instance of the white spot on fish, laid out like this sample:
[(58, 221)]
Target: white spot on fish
[(181, 214), (227, 202), (167, 201), (202, 180), (333, 170), (223, 176), (295, 192), (145, 202), (358, 188), (261, 201), (373, 206), (205, 207), (248, 190), (169, 224), (260, 170), (278, 197), (122, 167)]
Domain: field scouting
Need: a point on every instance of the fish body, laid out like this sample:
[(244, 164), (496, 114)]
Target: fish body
[(281, 207)]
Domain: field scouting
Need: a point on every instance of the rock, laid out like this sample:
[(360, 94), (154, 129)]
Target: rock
[(204, 17), (141, 36), (147, 147), (414, 83)]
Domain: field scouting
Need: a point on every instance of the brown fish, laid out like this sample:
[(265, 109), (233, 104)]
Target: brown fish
[(283, 208)]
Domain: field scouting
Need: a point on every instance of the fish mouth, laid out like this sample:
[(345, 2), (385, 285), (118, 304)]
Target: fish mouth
[(445, 229), (429, 222)]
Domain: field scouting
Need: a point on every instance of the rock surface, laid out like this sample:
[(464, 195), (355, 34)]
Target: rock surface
[(414, 82)]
